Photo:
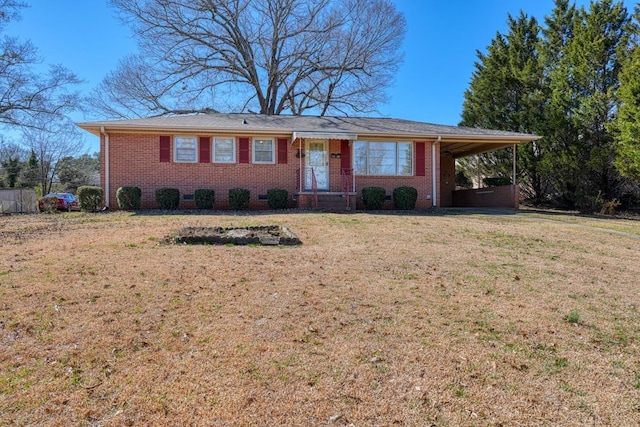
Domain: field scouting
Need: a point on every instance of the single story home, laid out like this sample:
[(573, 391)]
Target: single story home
[(320, 161)]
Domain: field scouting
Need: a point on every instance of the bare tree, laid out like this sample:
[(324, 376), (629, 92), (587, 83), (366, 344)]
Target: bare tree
[(24, 93), (268, 56), (51, 141)]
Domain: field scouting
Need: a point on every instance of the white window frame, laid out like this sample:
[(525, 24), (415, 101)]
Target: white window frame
[(254, 144), (397, 158), (213, 151), (176, 141)]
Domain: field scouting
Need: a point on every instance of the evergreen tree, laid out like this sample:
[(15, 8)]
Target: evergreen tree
[(74, 172), (31, 171), (12, 167), (626, 125), (584, 59), (564, 87), (506, 94)]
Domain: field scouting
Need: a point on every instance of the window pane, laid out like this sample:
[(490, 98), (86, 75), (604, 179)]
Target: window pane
[(185, 149), (360, 158), (382, 158), (405, 158), (224, 150), (263, 151)]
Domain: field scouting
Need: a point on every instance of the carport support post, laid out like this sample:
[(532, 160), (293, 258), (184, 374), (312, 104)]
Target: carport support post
[(514, 180)]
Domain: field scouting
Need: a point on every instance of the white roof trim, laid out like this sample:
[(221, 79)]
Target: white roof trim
[(324, 135)]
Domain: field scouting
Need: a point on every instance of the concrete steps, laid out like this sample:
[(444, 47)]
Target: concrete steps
[(335, 203)]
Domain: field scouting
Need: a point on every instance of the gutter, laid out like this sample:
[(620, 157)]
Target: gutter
[(434, 174), (106, 166)]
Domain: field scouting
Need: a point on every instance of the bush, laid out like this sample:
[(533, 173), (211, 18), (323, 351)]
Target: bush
[(50, 204), (610, 207), (405, 198), (373, 197), (204, 198), (90, 197), (277, 198), (129, 198), (167, 198), (496, 181), (239, 198)]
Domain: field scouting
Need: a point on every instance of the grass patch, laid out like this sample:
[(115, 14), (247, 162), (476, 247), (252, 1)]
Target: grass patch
[(377, 319)]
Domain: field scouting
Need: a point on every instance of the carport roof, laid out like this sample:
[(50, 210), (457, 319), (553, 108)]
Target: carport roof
[(455, 141)]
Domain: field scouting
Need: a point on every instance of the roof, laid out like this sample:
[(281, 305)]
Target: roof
[(455, 140)]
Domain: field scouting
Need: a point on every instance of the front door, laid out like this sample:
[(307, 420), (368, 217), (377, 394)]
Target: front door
[(317, 160)]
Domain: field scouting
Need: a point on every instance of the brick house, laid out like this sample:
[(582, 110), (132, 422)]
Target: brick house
[(320, 161)]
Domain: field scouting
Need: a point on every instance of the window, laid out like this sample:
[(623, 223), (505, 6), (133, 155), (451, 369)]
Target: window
[(224, 150), (185, 149), (383, 158), (263, 151)]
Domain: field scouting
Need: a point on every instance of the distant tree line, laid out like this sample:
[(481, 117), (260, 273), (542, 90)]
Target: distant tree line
[(575, 81), (20, 167)]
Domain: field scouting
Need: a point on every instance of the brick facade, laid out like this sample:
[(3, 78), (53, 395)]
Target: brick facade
[(134, 160), (505, 196)]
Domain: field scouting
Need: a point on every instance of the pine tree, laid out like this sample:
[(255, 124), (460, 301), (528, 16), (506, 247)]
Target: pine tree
[(506, 94), (583, 51), (627, 123)]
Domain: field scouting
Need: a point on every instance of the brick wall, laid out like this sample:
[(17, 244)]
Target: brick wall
[(505, 196), (134, 161), (421, 183)]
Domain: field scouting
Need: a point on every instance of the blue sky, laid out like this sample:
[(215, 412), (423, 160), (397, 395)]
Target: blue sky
[(440, 47)]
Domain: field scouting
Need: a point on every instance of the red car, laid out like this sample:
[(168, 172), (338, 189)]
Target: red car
[(66, 202)]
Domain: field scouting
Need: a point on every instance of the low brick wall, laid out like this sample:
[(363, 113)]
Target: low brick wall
[(506, 196)]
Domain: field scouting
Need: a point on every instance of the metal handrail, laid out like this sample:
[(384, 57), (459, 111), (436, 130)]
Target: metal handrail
[(346, 183)]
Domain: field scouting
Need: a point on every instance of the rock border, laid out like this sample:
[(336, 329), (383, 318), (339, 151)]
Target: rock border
[(268, 235)]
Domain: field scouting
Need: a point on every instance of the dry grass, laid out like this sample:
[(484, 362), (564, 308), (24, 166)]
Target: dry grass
[(459, 319)]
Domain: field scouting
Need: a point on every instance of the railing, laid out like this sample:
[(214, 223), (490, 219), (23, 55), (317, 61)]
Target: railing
[(347, 185)]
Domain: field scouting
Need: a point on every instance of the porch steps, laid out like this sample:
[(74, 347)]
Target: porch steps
[(334, 203)]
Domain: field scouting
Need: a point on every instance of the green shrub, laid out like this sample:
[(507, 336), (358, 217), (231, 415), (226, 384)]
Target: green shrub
[(204, 198), (167, 198), (373, 197), (90, 197), (50, 204), (129, 198), (277, 198), (405, 198), (239, 198), (496, 181), (573, 317)]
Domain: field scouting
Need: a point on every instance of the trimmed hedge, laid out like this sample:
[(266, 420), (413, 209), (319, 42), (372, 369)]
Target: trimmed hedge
[(239, 198), (168, 198), (204, 198), (129, 198), (277, 198), (405, 198), (373, 197), (90, 197)]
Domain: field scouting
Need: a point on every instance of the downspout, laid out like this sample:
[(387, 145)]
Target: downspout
[(434, 171), (106, 166)]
